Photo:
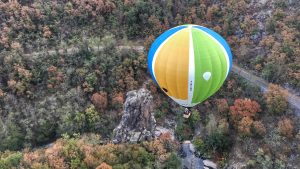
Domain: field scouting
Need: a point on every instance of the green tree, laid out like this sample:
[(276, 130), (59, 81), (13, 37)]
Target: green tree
[(72, 153), (183, 131), (10, 160), (172, 162), (194, 119), (14, 139), (217, 142), (199, 145), (270, 72), (263, 159)]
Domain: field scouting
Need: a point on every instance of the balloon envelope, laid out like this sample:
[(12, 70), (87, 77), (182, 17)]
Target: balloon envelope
[(189, 63)]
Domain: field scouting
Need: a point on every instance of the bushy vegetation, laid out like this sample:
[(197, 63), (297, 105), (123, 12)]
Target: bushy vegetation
[(77, 81), (49, 96), (264, 160), (244, 114), (276, 99), (185, 127), (213, 144), (41, 24), (243, 122), (10, 160), (82, 152)]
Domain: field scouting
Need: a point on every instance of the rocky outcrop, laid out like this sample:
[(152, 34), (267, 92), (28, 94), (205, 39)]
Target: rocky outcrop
[(189, 160), (159, 130), (138, 122)]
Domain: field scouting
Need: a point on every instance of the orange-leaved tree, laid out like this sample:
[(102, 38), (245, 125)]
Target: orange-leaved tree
[(244, 126), (259, 128), (222, 106), (100, 100), (285, 127), (243, 114), (104, 166), (244, 108)]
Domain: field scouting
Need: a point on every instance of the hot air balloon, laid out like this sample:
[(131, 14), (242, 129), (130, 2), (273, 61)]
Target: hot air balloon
[(189, 63)]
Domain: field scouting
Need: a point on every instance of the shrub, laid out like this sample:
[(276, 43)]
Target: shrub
[(280, 4), (285, 127), (212, 12), (118, 99), (222, 106), (194, 119), (263, 159), (211, 125), (149, 40), (90, 81), (223, 126), (10, 160), (244, 108), (159, 114), (172, 162), (270, 26), (245, 125), (100, 100), (19, 81), (88, 120), (44, 131), (14, 139), (270, 72), (248, 127), (79, 152), (55, 77), (72, 153), (276, 99), (259, 128), (183, 131), (199, 145), (104, 166), (92, 118), (217, 142)]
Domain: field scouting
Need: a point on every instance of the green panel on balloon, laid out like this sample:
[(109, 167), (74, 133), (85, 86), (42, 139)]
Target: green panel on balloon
[(210, 71)]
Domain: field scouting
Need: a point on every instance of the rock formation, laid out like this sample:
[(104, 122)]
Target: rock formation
[(138, 122)]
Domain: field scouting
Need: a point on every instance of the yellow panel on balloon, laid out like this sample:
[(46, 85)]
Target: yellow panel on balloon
[(172, 65)]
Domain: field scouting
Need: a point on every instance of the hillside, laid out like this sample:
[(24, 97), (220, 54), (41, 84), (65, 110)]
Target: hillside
[(65, 74)]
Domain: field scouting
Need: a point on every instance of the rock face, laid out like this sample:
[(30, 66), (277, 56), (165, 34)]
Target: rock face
[(159, 130), (138, 122), (189, 160)]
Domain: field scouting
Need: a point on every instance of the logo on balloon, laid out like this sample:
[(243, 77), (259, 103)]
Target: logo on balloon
[(206, 76)]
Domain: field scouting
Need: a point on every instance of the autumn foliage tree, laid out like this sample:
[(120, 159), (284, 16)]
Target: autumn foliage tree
[(243, 114), (149, 40), (244, 108), (118, 98), (85, 152), (276, 99), (19, 81), (222, 106), (259, 128), (55, 77), (212, 12), (104, 166), (100, 100), (244, 127), (285, 127)]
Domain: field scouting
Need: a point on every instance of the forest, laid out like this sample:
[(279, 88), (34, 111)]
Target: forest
[(72, 101)]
